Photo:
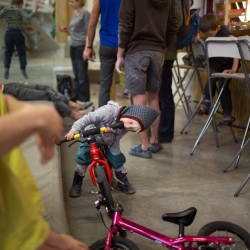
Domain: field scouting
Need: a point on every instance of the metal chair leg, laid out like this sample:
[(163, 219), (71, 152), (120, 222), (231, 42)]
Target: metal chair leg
[(241, 186)]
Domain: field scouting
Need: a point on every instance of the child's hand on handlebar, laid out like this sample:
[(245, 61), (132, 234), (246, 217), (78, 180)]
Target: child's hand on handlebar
[(70, 135)]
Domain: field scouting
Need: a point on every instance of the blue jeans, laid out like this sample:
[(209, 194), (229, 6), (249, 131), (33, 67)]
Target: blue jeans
[(166, 128), (108, 57), (14, 37), (80, 68)]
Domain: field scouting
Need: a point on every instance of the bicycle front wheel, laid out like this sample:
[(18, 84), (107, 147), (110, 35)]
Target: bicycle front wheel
[(223, 228), (117, 243), (102, 181)]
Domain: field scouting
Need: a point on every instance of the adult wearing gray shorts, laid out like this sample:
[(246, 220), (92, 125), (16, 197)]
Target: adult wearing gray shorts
[(146, 30)]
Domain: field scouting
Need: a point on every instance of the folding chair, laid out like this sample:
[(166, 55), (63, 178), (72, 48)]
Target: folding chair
[(244, 48), (181, 84), (219, 47), (197, 49)]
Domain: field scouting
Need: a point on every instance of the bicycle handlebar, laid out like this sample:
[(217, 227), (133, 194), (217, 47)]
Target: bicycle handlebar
[(94, 131)]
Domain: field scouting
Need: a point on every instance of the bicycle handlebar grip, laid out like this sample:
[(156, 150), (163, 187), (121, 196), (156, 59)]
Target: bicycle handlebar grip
[(92, 131), (119, 125), (62, 141)]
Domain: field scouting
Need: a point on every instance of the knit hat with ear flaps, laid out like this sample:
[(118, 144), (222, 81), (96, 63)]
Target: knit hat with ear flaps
[(144, 115)]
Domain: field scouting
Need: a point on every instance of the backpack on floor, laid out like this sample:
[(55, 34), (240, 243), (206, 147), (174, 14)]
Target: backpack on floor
[(190, 25), (64, 82)]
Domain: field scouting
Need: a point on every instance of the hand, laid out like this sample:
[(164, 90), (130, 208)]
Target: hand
[(47, 134), (119, 65), (70, 135), (229, 71), (109, 130), (89, 54), (63, 28), (62, 242)]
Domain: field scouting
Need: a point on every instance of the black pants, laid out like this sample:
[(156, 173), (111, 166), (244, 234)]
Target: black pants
[(80, 68), (166, 128), (14, 37), (225, 98)]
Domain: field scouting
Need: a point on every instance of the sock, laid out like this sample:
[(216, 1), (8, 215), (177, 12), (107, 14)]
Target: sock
[(227, 114), (207, 105)]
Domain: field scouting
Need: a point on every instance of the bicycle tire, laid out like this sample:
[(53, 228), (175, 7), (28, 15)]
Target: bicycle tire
[(103, 184), (117, 243), (223, 228)]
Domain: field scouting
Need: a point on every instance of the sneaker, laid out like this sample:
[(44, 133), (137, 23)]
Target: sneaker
[(202, 110), (24, 73), (155, 147), (6, 73), (137, 151), (227, 120), (85, 105)]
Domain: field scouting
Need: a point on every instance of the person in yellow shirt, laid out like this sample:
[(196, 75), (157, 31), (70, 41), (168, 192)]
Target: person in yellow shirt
[(21, 225)]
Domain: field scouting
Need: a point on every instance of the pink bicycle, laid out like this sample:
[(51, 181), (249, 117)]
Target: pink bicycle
[(217, 235)]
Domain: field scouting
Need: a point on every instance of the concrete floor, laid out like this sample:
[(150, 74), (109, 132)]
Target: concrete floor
[(171, 181)]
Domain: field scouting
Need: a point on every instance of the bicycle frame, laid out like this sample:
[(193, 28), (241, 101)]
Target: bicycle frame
[(174, 243), (98, 157)]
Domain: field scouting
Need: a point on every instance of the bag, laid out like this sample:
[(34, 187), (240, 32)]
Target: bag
[(190, 25), (64, 82)]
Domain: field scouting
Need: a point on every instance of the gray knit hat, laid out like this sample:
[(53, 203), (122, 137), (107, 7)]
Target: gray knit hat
[(142, 114)]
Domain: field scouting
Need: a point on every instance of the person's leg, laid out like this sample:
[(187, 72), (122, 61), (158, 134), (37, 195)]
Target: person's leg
[(83, 159), (117, 160), (167, 107), (73, 57), (20, 45), (81, 73), (9, 49), (153, 88), (204, 109), (107, 59), (136, 65)]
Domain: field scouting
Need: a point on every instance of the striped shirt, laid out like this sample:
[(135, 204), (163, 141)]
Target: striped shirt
[(14, 16)]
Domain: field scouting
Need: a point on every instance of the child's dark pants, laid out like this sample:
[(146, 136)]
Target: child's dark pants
[(14, 37)]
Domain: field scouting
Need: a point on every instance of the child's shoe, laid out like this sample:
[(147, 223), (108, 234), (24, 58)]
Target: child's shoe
[(137, 151), (24, 73), (6, 73), (126, 188), (75, 190)]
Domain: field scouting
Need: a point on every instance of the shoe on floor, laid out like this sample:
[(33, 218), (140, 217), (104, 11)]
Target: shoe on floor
[(137, 151), (85, 105), (6, 73), (155, 147), (127, 187), (75, 190), (24, 73), (202, 110), (227, 120)]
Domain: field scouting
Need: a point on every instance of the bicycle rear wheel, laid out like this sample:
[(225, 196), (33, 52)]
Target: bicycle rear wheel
[(223, 228), (102, 181), (117, 244)]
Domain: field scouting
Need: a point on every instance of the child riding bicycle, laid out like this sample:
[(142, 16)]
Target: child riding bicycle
[(135, 118)]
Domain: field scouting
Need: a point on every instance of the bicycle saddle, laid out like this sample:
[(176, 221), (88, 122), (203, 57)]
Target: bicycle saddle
[(185, 218)]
